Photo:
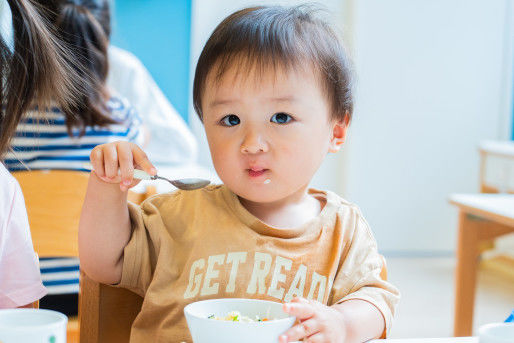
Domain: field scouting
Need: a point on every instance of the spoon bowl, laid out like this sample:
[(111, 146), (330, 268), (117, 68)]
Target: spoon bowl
[(187, 184)]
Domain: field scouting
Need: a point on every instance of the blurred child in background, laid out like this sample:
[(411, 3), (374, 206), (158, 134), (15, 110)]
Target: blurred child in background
[(32, 71), (62, 138)]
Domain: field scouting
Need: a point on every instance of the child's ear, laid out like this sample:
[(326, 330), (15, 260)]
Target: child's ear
[(339, 133)]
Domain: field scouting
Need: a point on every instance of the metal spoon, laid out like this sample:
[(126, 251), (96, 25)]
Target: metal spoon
[(188, 184)]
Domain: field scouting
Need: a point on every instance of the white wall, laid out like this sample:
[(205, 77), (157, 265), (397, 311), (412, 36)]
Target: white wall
[(433, 80)]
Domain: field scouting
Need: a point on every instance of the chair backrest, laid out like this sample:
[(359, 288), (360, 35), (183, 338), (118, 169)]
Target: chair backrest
[(53, 200), (106, 313), (496, 166)]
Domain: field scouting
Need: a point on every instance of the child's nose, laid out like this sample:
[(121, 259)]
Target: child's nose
[(254, 143)]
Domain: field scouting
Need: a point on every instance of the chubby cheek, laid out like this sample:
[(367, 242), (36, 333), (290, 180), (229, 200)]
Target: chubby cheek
[(298, 162), (295, 167), (224, 158), (225, 166)]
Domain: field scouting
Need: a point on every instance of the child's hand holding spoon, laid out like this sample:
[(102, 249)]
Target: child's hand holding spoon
[(117, 162)]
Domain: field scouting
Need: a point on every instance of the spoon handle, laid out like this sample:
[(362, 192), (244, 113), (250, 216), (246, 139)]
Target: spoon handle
[(138, 174), (142, 175)]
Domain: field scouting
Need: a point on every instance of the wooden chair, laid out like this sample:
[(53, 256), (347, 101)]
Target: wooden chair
[(106, 313), (54, 201), (501, 152)]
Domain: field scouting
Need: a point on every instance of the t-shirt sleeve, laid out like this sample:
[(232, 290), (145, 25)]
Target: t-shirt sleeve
[(358, 276), (137, 267), (20, 280)]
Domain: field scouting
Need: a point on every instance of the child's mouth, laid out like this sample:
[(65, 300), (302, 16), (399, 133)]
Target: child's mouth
[(256, 173)]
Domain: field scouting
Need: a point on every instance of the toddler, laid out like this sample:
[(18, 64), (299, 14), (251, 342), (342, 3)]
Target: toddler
[(272, 88)]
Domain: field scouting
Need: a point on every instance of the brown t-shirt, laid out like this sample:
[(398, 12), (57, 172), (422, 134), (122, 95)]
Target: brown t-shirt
[(195, 245)]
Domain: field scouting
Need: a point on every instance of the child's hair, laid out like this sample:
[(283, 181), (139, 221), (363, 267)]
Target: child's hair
[(84, 26), (34, 72), (276, 36)]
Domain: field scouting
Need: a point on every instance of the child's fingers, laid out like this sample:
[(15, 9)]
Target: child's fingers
[(110, 160), (126, 162), (304, 329), (300, 300), (97, 161), (142, 160), (299, 310), (317, 338)]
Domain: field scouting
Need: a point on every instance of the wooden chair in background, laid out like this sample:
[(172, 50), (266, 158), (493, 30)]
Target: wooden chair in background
[(54, 201), (499, 154), (496, 176)]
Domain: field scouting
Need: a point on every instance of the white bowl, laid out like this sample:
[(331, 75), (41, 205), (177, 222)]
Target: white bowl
[(205, 330), (496, 333), (32, 326)]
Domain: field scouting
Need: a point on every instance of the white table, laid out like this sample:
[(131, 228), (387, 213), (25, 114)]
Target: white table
[(429, 340), (482, 217)]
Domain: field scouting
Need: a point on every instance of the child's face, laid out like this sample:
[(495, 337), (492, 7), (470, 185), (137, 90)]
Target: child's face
[(272, 126)]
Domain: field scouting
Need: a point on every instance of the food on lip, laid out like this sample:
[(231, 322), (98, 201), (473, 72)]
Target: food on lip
[(236, 316)]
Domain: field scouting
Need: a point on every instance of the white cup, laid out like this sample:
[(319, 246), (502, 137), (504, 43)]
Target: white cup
[(496, 333), (32, 326)]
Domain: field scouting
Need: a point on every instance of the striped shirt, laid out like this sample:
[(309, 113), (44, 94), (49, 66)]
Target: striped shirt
[(41, 141)]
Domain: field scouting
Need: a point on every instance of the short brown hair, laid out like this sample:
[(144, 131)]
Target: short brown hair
[(278, 36)]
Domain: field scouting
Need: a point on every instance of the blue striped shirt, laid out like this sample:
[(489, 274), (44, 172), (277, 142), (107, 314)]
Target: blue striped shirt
[(41, 141)]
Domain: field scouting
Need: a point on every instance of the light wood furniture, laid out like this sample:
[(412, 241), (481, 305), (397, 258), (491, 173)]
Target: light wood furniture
[(35, 304), (482, 217), (503, 150), (497, 176), (106, 313), (54, 201)]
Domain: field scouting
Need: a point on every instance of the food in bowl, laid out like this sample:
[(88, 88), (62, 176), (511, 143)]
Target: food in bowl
[(235, 316), (208, 330)]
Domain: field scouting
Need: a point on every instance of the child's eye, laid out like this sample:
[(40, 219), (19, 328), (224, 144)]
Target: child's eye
[(230, 120), (281, 118)]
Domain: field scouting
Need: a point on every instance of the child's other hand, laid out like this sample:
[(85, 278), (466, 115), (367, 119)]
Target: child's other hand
[(107, 159), (318, 322)]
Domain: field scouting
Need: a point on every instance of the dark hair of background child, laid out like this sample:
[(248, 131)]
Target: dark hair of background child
[(84, 25), (278, 37), (35, 72)]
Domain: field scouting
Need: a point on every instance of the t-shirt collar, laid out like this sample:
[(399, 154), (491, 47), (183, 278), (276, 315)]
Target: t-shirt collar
[(326, 216)]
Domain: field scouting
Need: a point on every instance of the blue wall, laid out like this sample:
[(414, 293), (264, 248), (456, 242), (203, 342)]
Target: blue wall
[(158, 32)]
